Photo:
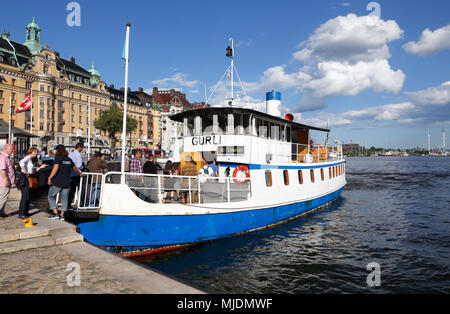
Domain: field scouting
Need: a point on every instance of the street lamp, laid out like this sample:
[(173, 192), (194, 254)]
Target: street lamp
[(89, 127)]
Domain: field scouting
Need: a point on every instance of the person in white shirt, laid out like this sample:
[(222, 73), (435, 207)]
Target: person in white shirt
[(75, 155), (27, 167)]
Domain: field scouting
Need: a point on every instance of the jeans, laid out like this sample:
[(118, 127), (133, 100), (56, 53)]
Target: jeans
[(24, 206), (95, 192), (63, 194), (73, 188)]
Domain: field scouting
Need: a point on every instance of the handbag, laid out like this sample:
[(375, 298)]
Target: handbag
[(33, 182)]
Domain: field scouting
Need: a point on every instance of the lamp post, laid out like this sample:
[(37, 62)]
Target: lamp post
[(89, 127)]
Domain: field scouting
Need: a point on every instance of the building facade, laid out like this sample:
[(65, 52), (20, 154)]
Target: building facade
[(136, 110), (66, 98)]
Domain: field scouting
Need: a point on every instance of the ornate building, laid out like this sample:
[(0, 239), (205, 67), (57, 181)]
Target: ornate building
[(63, 92)]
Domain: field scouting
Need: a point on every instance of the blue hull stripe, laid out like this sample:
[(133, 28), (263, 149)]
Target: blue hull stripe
[(267, 167), (138, 231)]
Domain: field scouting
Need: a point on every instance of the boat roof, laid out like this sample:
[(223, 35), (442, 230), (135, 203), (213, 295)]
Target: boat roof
[(208, 112)]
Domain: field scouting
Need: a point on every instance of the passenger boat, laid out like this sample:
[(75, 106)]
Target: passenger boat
[(269, 172)]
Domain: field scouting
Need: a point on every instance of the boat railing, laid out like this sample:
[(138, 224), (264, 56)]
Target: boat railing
[(315, 153), (183, 189), (89, 193)]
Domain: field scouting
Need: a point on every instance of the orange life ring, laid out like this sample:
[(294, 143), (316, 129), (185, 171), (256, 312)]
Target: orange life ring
[(245, 170)]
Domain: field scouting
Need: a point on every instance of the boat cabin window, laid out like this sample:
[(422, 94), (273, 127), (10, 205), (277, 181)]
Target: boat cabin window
[(207, 126), (322, 175), (300, 177), (223, 120), (329, 174), (268, 178), (286, 177), (312, 175), (274, 131)]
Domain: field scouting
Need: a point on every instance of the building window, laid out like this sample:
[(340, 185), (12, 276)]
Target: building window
[(42, 88), (41, 126), (268, 178), (286, 177), (1, 94), (60, 92), (1, 108), (312, 175), (13, 82), (28, 85)]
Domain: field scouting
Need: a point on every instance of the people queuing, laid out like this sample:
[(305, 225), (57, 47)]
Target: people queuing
[(67, 170), (96, 164), (75, 156), (7, 177), (27, 171), (60, 181)]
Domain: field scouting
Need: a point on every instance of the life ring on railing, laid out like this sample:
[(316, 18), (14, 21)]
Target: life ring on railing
[(243, 169)]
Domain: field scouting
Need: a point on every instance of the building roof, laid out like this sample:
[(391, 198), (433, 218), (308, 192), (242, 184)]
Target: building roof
[(209, 112), (22, 52), (119, 95), (171, 97)]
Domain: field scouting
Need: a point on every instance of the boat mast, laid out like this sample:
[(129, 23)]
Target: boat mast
[(230, 54), (444, 149), (429, 142)]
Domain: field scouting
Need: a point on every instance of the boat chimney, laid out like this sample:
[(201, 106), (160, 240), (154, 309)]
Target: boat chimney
[(273, 103)]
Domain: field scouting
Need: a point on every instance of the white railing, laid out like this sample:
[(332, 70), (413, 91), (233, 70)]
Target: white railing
[(315, 153), (181, 189), (89, 194)]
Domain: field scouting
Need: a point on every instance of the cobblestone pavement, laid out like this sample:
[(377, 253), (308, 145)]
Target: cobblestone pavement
[(48, 273)]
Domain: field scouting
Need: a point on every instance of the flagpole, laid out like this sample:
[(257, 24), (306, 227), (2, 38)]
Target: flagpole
[(89, 128), (31, 115), (10, 120), (124, 126)]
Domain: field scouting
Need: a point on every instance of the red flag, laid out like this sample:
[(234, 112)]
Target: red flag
[(25, 105)]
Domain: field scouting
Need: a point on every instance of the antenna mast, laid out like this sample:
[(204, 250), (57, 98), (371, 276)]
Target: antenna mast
[(230, 54)]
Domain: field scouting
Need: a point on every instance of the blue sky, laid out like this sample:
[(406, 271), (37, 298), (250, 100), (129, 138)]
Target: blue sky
[(376, 81)]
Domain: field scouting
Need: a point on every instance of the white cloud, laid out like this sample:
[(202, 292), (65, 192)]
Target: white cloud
[(342, 78), (432, 96), (382, 113), (348, 54), (431, 42), (350, 38), (177, 80)]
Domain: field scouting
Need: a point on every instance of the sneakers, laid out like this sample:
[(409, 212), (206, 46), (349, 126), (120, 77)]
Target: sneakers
[(53, 216), (61, 218)]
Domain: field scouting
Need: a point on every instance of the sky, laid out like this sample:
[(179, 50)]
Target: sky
[(375, 74)]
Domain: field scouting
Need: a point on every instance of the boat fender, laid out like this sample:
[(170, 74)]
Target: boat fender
[(243, 169)]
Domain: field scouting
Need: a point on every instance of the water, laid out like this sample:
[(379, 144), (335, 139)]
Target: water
[(394, 211)]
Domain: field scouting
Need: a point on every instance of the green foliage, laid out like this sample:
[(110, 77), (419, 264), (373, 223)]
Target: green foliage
[(111, 122)]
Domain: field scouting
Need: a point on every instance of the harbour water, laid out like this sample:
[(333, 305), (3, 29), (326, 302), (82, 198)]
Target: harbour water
[(394, 211)]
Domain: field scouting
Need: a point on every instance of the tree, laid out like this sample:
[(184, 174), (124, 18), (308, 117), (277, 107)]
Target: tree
[(111, 121)]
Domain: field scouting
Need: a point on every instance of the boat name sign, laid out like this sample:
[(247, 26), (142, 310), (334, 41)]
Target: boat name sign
[(207, 140)]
